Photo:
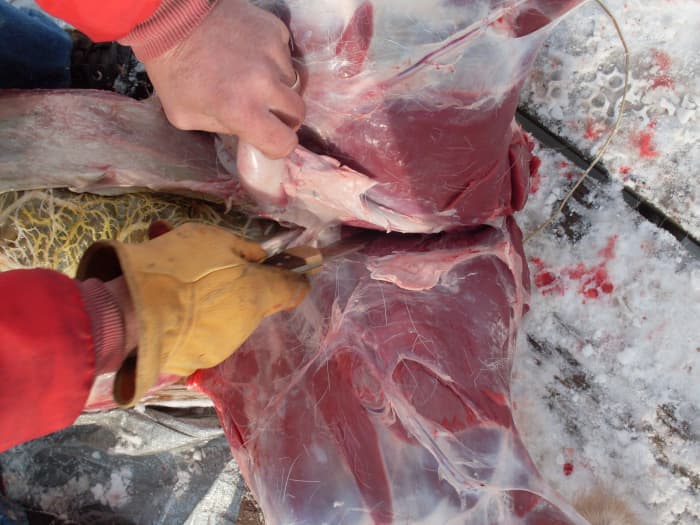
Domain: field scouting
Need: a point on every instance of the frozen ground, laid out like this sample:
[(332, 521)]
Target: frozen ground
[(577, 82), (605, 380), (606, 374)]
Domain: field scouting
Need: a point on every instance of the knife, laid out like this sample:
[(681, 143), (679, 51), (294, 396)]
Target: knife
[(306, 259)]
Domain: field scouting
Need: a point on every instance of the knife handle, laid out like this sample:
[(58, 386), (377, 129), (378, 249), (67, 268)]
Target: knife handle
[(300, 258)]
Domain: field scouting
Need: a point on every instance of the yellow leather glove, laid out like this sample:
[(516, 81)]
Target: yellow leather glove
[(197, 295)]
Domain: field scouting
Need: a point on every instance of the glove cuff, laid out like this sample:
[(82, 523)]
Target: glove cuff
[(171, 23), (139, 371), (107, 325)]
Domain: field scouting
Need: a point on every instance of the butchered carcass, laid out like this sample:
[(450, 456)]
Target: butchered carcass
[(385, 397), (100, 142), (410, 111)]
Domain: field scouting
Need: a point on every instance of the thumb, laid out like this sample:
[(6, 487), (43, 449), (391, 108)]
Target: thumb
[(248, 250)]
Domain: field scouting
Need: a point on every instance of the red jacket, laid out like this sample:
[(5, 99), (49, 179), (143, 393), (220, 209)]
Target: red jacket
[(101, 20), (47, 356), (150, 27), (47, 352), (54, 332)]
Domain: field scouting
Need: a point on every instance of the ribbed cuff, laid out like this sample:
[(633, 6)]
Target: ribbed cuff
[(107, 325), (172, 22)]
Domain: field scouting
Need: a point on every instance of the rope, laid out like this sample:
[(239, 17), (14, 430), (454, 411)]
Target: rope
[(613, 132)]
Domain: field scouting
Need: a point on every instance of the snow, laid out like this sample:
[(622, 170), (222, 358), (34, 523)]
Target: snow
[(115, 493), (577, 83), (127, 443), (606, 373), (609, 382), (56, 497)]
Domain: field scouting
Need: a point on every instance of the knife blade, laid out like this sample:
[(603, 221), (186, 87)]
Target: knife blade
[(306, 259)]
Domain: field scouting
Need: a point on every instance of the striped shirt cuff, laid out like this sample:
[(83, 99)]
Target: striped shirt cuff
[(172, 23), (107, 325)]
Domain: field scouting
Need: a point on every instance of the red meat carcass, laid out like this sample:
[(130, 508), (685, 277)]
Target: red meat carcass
[(384, 399), (409, 113)]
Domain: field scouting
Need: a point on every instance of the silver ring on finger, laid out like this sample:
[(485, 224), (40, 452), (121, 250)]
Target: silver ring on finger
[(297, 81)]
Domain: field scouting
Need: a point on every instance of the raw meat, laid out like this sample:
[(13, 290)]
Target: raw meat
[(102, 143), (411, 105), (385, 397)]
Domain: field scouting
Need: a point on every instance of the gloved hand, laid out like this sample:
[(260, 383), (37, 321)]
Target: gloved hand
[(197, 295)]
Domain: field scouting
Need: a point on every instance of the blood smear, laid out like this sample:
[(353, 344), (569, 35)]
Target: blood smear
[(568, 468), (594, 130), (645, 146), (662, 79), (608, 252)]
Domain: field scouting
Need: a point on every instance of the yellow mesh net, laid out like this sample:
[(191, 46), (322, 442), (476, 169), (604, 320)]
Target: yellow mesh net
[(52, 228)]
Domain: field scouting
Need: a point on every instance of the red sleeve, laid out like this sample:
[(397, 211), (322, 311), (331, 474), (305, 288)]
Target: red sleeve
[(47, 357), (101, 20)]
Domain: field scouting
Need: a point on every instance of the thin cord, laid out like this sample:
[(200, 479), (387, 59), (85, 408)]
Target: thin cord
[(613, 132)]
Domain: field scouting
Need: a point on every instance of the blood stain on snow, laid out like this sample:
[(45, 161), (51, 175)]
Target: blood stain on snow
[(663, 62), (535, 175), (646, 148), (539, 263), (568, 468), (544, 279), (564, 165), (547, 282), (643, 142), (594, 281), (662, 81), (594, 130), (662, 59), (608, 252)]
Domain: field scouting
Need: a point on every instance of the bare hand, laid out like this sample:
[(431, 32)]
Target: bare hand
[(233, 75)]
